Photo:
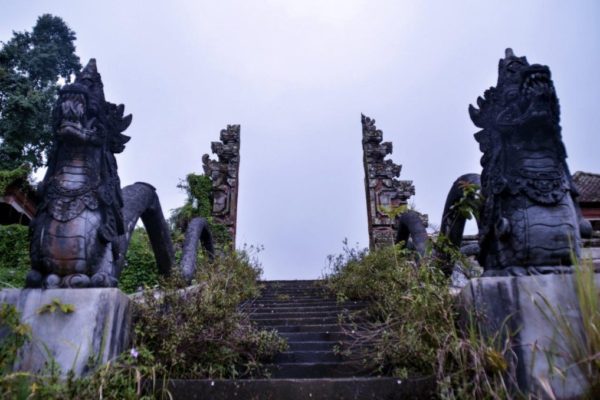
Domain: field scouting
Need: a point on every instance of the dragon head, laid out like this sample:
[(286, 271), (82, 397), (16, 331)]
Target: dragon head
[(523, 96), (83, 115)]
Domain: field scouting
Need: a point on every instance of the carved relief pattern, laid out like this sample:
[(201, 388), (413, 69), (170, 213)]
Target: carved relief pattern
[(223, 173), (384, 192)]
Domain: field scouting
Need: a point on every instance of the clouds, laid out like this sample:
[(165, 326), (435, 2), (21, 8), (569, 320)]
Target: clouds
[(296, 74)]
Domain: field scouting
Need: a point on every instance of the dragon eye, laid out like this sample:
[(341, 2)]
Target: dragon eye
[(514, 66)]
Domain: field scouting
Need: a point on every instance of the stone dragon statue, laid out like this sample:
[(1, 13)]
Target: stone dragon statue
[(529, 221), (83, 225)]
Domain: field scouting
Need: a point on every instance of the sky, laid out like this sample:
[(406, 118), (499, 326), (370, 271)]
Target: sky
[(297, 74)]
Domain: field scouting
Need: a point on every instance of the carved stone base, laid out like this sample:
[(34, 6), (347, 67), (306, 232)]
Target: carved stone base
[(517, 307), (97, 330)]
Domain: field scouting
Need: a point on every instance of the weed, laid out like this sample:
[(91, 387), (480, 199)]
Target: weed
[(580, 346), (412, 326), (198, 332), (56, 305)]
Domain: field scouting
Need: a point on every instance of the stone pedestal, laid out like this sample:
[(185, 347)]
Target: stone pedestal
[(524, 309), (97, 330)]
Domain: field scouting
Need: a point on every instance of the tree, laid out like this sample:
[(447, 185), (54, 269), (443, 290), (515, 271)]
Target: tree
[(31, 64)]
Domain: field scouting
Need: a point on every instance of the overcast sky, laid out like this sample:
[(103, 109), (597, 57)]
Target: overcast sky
[(296, 74)]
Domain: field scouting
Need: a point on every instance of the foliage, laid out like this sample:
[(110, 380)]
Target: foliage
[(192, 332), (444, 255), (56, 305), (198, 189), (412, 327), (408, 304), (197, 332), (122, 378), (8, 177), (14, 335), (31, 64), (393, 212), (14, 255), (580, 347), (140, 264), (589, 306), (471, 201)]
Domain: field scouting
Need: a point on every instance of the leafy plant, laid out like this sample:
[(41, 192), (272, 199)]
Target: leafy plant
[(578, 343), (130, 376), (470, 203), (14, 335), (56, 305), (197, 332), (589, 307), (198, 189), (140, 264), (411, 327), (14, 255), (8, 177), (31, 64)]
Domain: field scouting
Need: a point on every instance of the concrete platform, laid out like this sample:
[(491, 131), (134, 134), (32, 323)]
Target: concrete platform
[(524, 310), (97, 330)]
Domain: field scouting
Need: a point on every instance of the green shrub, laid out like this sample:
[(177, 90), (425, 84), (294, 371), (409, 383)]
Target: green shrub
[(197, 332), (130, 376), (14, 255), (411, 325), (180, 332), (8, 177), (140, 264), (198, 189)]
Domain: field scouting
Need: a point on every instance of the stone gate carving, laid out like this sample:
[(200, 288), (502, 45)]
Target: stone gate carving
[(385, 193), (224, 174)]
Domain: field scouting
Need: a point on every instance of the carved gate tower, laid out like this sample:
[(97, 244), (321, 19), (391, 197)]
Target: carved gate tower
[(384, 192), (224, 174)]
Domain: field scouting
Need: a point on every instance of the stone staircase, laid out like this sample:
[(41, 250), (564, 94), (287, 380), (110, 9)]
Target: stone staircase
[(310, 319), (306, 315)]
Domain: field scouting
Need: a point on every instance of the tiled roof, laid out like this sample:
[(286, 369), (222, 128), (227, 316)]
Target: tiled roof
[(588, 185)]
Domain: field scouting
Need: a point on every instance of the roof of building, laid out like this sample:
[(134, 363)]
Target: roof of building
[(588, 185)]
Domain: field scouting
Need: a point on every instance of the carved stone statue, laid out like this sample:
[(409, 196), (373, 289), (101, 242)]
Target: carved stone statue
[(224, 176), (81, 232), (529, 222), (386, 194)]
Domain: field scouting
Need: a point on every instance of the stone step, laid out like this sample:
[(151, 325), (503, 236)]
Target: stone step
[(307, 345), (314, 370), (270, 288), (307, 356), (295, 302), (335, 315), (269, 320), (313, 309), (298, 282), (297, 290), (302, 389), (314, 336), (287, 297), (321, 328), (299, 304), (311, 318)]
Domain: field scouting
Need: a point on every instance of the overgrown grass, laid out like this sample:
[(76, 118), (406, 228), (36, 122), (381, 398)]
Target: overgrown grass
[(128, 377), (180, 332), (412, 326), (197, 332), (140, 264), (587, 350), (198, 189), (14, 255), (577, 344)]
